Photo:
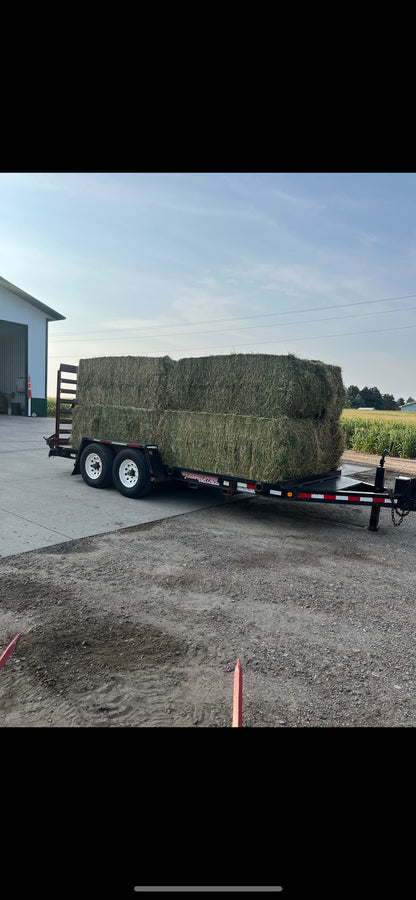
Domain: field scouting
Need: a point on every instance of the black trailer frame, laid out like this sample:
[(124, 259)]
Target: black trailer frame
[(328, 487)]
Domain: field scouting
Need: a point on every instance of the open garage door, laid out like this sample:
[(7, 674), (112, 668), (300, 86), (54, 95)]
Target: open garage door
[(13, 368)]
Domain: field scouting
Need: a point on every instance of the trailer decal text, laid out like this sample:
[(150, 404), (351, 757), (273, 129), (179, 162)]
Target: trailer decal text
[(205, 479)]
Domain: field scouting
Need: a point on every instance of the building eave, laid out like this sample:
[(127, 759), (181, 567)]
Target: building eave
[(50, 314)]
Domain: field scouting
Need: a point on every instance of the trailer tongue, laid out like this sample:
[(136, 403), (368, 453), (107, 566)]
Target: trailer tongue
[(133, 467)]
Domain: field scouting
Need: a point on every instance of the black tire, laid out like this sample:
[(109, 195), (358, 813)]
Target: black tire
[(130, 474), (96, 465)]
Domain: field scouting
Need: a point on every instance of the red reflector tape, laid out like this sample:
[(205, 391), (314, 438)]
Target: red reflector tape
[(305, 496), (330, 497)]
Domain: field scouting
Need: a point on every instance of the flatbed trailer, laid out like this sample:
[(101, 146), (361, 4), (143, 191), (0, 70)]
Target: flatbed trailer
[(134, 467)]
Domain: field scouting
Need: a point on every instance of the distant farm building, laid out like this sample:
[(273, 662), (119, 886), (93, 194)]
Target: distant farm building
[(409, 407), (368, 408)]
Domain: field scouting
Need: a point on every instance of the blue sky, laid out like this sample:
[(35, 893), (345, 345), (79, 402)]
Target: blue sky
[(189, 264)]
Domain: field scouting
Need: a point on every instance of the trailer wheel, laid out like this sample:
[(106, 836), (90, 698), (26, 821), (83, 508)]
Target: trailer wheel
[(95, 465), (130, 474)]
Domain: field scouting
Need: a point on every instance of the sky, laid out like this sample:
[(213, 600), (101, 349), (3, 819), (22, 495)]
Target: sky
[(318, 264)]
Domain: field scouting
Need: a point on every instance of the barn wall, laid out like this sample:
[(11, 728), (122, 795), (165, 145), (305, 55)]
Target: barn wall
[(15, 310)]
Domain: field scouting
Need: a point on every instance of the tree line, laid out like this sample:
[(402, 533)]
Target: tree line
[(366, 396)]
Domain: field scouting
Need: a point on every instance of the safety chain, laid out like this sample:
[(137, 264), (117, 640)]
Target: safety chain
[(394, 512)]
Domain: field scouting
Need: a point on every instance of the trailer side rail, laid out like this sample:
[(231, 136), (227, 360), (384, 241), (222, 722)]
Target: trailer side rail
[(348, 491), (332, 487)]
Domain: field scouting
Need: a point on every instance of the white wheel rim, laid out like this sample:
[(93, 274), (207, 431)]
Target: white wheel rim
[(128, 473), (93, 466)]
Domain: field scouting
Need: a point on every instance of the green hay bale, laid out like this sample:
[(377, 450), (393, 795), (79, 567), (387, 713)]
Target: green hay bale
[(238, 446), (259, 416), (256, 385), (138, 381), (116, 423), (259, 448), (243, 384)]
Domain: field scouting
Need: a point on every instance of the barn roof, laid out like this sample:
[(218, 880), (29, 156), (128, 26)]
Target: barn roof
[(410, 406), (46, 310)]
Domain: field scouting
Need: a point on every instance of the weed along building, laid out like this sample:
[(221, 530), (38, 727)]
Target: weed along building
[(23, 350)]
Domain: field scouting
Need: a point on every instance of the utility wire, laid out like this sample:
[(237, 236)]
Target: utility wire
[(243, 318), (279, 341), (382, 312)]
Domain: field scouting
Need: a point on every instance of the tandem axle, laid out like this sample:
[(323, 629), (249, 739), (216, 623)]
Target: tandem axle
[(133, 468)]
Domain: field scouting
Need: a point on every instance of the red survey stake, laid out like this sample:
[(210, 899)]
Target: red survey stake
[(8, 651), (238, 696)]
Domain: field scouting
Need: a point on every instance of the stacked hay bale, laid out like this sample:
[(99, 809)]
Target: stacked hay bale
[(137, 381), (263, 417)]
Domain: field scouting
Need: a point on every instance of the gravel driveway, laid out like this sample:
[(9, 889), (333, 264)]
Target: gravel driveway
[(143, 627)]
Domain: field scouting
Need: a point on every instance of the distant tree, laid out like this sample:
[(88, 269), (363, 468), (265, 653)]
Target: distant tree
[(372, 397), (389, 402), (350, 395), (364, 393), (377, 398), (357, 401)]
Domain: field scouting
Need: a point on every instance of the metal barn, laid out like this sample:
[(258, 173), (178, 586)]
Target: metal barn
[(23, 350), (409, 407)]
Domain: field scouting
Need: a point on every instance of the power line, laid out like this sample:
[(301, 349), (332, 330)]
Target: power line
[(384, 312), (243, 318), (279, 341)]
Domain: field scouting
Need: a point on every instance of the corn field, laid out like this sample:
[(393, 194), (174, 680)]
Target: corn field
[(373, 431)]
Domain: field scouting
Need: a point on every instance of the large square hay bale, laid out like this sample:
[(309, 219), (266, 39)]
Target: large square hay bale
[(140, 381), (263, 449), (115, 423), (256, 384)]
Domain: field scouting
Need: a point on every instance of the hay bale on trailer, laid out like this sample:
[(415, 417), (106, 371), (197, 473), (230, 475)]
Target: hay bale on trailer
[(256, 385), (263, 449), (115, 423), (137, 381), (267, 418)]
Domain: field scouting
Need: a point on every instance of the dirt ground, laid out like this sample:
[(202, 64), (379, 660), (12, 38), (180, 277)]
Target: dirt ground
[(143, 627)]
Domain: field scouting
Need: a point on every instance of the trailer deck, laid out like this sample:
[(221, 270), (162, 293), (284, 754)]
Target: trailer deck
[(133, 467)]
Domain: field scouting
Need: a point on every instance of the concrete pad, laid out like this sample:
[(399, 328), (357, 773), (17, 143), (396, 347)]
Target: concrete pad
[(42, 504)]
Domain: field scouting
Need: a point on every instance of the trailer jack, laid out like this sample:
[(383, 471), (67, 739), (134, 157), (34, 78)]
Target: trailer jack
[(379, 487)]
